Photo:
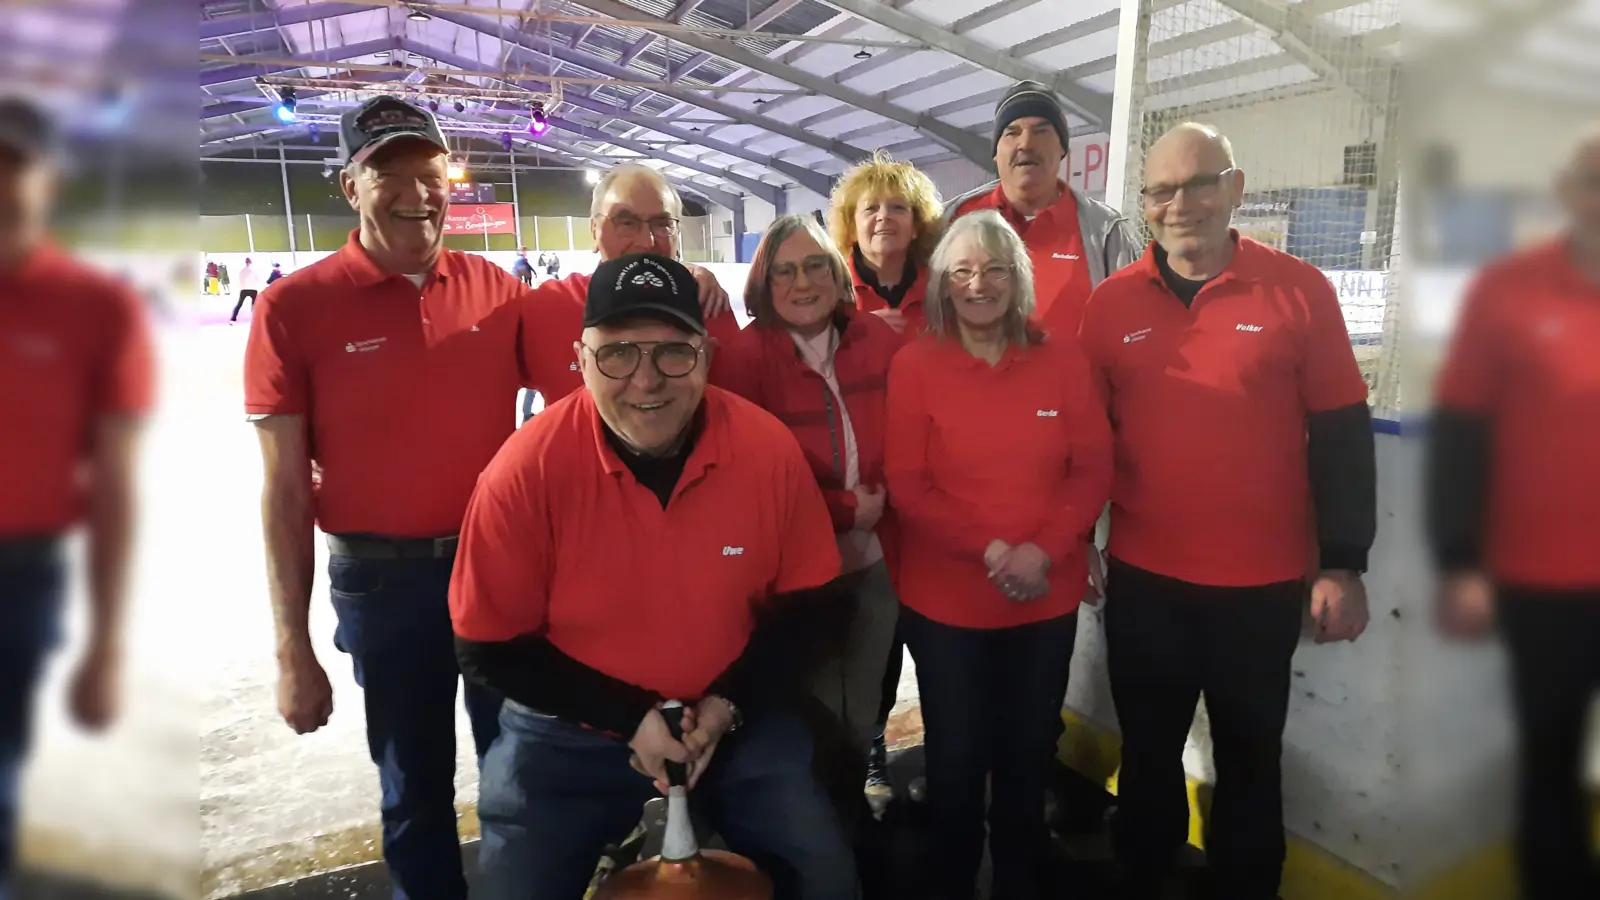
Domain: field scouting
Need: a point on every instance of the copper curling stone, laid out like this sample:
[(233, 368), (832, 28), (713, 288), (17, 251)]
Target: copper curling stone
[(683, 871)]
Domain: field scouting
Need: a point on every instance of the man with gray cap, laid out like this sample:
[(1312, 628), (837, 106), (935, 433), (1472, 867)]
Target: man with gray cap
[(76, 382), (1073, 241)]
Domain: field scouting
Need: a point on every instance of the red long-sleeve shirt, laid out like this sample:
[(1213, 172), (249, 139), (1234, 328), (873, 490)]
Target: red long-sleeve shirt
[(1020, 451)]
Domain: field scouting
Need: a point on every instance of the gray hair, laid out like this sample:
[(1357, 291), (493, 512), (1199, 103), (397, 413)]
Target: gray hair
[(634, 170), (758, 285), (990, 231)]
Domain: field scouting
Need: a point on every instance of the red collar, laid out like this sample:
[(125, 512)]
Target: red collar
[(37, 263), (365, 273), (1065, 207)]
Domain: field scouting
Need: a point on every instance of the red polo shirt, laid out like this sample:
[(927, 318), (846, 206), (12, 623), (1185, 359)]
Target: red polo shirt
[(916, 314), (75, 346), (1209, 405), (562, 541), (408, 391), (1524, 355), (1061, 283), (1019, 451)]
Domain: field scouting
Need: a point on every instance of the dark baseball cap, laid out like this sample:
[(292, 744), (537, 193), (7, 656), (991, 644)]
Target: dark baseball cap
[(27, 129), (644, 285), (384, 120)]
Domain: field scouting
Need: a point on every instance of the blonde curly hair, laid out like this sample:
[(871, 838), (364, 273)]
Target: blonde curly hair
[(882, 176)]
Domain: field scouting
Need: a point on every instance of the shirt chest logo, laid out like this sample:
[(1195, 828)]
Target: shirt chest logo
[(366, 346), (1066, 256), (37, 348), (732, 551), (1048, 413), (1134, 336), (1244, 327)]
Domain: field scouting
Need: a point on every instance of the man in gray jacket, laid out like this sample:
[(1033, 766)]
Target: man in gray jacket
[(1073, 241)]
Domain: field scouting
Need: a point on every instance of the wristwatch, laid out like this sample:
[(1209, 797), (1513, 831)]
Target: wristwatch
[(733, 711)]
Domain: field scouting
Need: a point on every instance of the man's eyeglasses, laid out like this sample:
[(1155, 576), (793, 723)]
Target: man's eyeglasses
[(620, 359), (817, 268), (1200, 187), (628, 225), (995, 274)]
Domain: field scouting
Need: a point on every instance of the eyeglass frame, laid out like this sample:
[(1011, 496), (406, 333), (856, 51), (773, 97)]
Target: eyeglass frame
[(1198, 182), (639, 346), (1007, 270), (668, 228), (822, 259)]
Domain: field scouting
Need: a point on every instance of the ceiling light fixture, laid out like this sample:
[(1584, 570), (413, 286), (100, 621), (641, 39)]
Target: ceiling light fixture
[(417, 15), (863, 54)]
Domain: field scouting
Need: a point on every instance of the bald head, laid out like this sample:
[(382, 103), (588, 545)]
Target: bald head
[(634, 210), (1579, 189), (1190, 141), (1191, 187)]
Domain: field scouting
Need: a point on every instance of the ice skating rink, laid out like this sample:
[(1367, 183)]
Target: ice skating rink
[(271, 805)]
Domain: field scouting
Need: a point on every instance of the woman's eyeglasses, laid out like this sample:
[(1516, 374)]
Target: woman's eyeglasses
[(817, 268), (995, 274), (620, 359)]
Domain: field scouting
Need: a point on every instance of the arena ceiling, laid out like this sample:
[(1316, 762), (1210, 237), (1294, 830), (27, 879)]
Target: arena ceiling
[(745, 97)]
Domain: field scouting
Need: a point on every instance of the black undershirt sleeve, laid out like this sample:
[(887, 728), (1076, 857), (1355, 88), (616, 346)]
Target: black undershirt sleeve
[(1456, 485), (1344, 484), (794, 633), (533, 672)]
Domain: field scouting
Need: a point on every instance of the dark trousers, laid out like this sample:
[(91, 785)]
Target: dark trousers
[(394, 621), (989, 701), (1167, 642), (243, 296), (1553, 642), (31, 595), (554, 794)]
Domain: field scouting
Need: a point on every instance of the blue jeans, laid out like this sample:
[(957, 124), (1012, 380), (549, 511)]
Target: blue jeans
[(394, 621), (31, 596), (990, 701), (555, 794)]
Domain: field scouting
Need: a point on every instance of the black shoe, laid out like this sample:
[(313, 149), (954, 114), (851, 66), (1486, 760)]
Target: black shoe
[(878, 764)]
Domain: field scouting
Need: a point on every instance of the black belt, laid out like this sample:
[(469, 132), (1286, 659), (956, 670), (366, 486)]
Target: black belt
[(372, 546), (29, 550)]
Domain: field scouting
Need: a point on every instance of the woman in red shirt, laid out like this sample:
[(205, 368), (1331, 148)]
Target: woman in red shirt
[(998, 457), (884, 218), (821, 367)]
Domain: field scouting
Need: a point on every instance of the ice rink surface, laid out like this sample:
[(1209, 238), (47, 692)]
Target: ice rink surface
[(272, 805)]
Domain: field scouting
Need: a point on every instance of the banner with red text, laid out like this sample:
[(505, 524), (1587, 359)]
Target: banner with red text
[(481, 218)]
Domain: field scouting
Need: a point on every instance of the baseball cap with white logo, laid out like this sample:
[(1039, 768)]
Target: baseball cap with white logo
[(644, 285)]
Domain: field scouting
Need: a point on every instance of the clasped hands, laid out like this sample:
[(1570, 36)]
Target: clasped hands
[(704, 724), (1020, 572)]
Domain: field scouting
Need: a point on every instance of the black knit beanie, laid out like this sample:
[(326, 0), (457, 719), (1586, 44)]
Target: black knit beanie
[(1025, 99)]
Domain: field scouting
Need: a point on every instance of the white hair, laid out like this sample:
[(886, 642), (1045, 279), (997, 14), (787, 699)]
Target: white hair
[(629, 171)]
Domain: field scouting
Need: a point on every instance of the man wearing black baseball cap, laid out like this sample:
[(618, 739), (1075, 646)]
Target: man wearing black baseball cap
[(1073, 241), (649, 539), (393, 366), (76, 381)]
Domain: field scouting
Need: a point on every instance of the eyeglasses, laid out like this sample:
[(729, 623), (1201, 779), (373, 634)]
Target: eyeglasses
[(817, 268), (628, 225), (995, 274), (620, 359), (1200, 187)]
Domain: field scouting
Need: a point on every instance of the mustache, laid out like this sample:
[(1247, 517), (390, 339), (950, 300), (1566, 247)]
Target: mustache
[(1023, 156)]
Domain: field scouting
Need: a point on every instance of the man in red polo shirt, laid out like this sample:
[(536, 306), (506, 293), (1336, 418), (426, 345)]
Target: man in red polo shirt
[(383, 379), (76, 380), (1074, 242), (685, 515), (1514, 513), (633, 210), (1220, 357)]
